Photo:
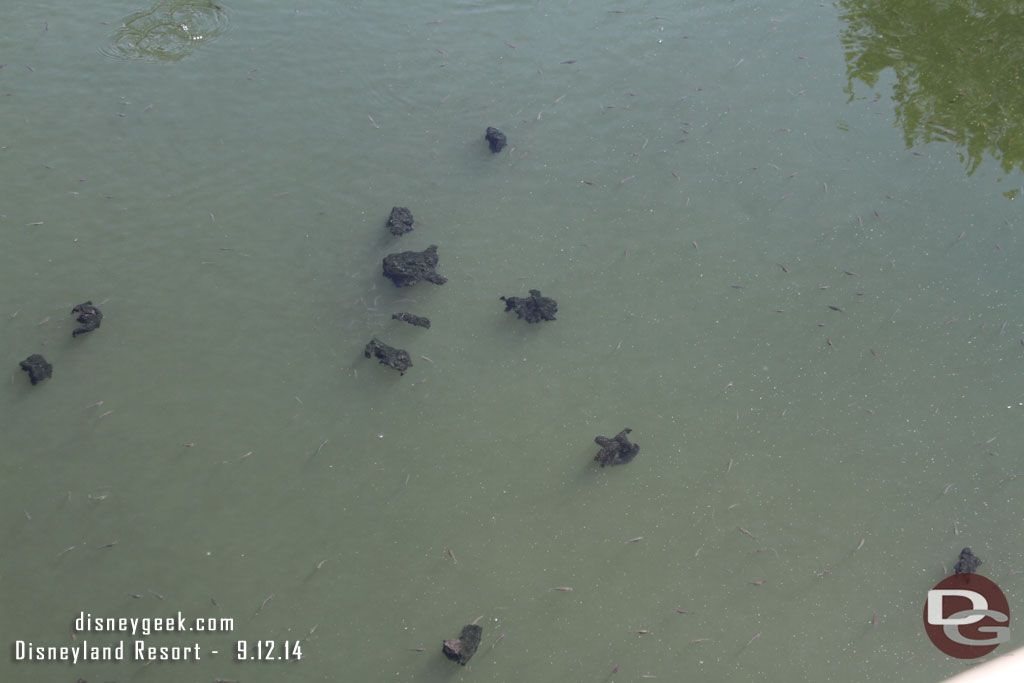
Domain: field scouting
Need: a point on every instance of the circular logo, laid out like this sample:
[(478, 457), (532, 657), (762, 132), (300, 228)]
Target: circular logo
[(967, 616)]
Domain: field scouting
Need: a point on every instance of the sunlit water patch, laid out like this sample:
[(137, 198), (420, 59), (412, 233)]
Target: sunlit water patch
[(168, 31)]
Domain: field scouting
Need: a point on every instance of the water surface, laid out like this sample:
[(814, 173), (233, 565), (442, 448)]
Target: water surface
[(696, 185)]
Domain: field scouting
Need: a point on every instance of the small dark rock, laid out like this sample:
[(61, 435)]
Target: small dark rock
[(89, 316), (37, 368), (967, 562), (616, 451), (409, 267), (400, 221), (535, 308), (496, 139), (416, 320), (462, 648), (388, 355)]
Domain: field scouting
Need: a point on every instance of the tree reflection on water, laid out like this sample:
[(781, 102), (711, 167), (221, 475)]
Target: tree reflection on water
[(958, 67)]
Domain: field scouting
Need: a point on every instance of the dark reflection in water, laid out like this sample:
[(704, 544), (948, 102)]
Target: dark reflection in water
[(958, 67)]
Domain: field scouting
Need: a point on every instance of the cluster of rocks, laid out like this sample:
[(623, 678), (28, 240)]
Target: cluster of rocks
[(406, 268), (37, 367)]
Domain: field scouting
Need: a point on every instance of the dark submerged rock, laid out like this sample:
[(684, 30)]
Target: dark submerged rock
[(388, 355), (416, 320), (400, 221), (409, 267), (89, 316), (616, 451), (535, 308), (37, 368), (967, 562), (462, 648), (496, 139)]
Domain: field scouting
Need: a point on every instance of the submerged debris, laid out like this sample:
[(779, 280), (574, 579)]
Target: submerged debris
[(496, 139), (388, 355), (416, 320), (967, 562), (37, 368), (462, 648), (535, 308), (409, 267), (89, 316), (400, 221), (616, 451)]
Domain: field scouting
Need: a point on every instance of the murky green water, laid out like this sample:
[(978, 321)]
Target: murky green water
[(695, 184)]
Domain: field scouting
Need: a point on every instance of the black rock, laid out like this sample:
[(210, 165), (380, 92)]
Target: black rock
[(89, 316), (617, 450), (409, 267), (535, 309), (400, 221), (37, 368), (967, 562), (388, 355), (416, 320), (496, 139), (462, 648)]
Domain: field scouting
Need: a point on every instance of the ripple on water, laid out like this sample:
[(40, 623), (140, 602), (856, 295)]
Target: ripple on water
[(168, 31)]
